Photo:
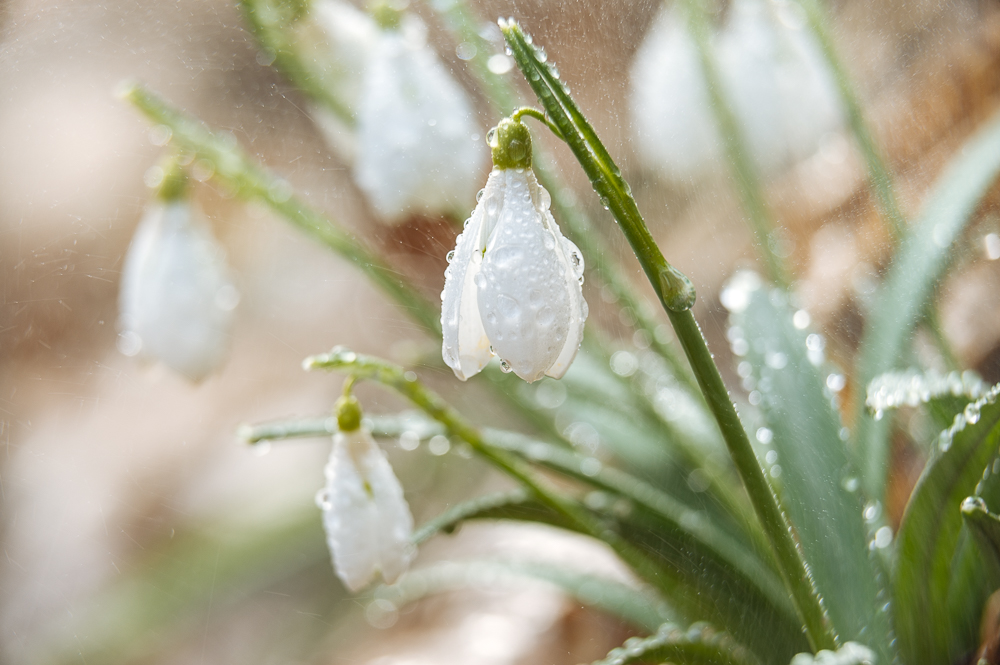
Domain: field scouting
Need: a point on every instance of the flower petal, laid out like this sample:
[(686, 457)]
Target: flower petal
[(367, 521), (465, 346), (527, 288), (578, 309), (176, 294)]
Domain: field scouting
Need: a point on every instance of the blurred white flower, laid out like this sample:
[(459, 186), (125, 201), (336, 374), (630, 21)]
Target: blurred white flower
[(513, 286), (335, 42), (417, 150), (773, 76), (176, 298), (367, 521)]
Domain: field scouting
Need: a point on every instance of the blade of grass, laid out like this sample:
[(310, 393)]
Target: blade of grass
[(923, 257)]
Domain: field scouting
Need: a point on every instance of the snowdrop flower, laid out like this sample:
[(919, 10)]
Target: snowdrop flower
[(417, 148), (773, 76), (335, 42), (513, 284), (367, 521), (176, 298)]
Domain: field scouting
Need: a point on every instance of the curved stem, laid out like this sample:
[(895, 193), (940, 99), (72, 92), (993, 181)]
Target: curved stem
[(537, 115), (677, 296)]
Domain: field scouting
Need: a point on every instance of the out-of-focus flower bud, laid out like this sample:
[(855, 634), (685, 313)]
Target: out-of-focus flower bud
[(176, 298), (417, 151), (773, 77)]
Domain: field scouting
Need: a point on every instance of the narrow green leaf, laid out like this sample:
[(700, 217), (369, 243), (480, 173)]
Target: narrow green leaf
[(922, 259), (930, 533), (699, 644), (985, 528), (635, 606), (810, 460), (512, 504)]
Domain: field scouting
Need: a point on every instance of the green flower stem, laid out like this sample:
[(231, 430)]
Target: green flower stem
[(271, 22), (406, 384), (231, 166), (501, 94), (677, 295), (743, 170)]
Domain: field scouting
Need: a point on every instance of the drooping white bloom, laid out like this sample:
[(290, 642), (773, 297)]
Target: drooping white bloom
[(417, 150), (335, 41), (513, 286), (773, 77), (367, 521), (176, 297)]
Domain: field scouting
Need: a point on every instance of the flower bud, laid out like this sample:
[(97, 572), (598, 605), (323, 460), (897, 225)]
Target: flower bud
[(366, 518), (177, 298), (773, 78), (416, 151)]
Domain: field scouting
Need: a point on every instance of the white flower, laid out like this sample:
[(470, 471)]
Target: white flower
[(367, 521), (416, 149), (335, 41), (513, 284), (176, 299), (773, 77)]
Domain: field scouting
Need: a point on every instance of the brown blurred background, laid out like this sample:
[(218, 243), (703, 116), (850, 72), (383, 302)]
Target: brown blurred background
[(118, 481)]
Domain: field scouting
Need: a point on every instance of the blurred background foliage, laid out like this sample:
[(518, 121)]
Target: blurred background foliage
[(137, 528)]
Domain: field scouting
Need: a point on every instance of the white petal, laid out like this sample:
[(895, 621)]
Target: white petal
[(176, 295), (416, 129), (578, 310), (367, 521), (465, 346), (529, 294)]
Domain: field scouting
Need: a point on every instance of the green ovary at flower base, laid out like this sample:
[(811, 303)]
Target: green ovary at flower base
[(513, 286), (367, 520)]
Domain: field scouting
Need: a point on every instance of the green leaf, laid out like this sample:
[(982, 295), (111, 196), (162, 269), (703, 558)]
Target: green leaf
[(700, 644), (811, 465), (931, 532), (513, 504), (635, 606), (985, 529), (923, 257)]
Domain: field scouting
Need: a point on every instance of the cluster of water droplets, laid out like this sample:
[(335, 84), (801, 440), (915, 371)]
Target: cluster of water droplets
[(969, 416), (851, 653), (913, 387), (670, 634)]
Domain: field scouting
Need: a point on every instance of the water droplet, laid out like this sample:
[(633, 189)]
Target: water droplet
[(479, 195), (850, 483), (323, 500), (765, 435), (450, 256), (409, 440), (439, 445), (971, 413), (505, 367)]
